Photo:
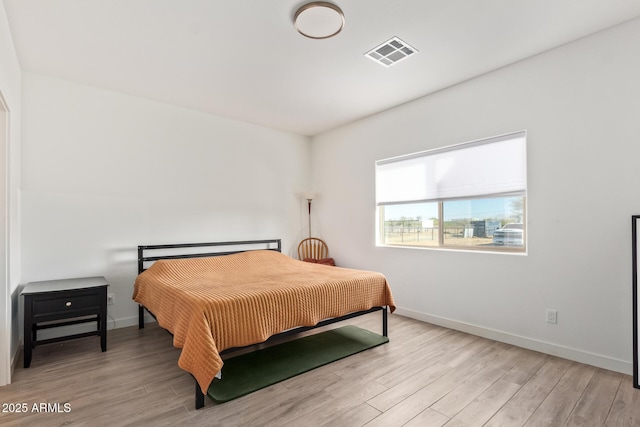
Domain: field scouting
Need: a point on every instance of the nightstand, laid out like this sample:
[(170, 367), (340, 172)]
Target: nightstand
[(56, 303)]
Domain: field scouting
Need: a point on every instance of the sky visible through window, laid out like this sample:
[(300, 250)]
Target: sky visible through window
[(493, 208)]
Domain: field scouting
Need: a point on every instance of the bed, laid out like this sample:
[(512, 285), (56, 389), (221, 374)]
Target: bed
[(216, 297)]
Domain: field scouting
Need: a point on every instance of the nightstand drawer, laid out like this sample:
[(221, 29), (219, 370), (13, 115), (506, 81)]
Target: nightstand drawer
[(66, 304)]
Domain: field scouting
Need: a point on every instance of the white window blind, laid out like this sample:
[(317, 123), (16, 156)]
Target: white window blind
[(488, 167)]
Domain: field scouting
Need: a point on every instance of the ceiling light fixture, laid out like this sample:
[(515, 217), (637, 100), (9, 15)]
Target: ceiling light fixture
[(319, 20)]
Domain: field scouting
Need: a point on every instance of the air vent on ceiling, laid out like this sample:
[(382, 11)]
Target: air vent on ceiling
[(391, 52)]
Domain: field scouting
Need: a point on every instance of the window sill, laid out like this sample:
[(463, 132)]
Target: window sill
[(492, 250)]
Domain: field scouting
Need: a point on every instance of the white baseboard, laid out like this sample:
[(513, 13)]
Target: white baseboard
[(598, 360), (15, 358), (129, 321), (593, 359)]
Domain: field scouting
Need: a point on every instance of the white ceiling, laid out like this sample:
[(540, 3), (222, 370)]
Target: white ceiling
[(243, 59)]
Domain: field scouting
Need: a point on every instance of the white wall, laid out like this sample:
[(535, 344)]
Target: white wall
[(10, 90), (580, 104), (105, 172)]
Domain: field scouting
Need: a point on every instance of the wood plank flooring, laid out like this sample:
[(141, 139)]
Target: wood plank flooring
[(425, 376)]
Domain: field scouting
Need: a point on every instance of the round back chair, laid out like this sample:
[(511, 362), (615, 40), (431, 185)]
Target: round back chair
[(313, 248)]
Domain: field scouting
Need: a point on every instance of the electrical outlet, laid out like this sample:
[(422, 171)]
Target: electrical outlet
[(552, 316), (111, 299)]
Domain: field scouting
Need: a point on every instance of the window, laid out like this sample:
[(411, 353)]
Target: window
[(471, 196)]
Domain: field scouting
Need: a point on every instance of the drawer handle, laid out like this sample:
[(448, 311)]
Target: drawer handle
[(68, 304)]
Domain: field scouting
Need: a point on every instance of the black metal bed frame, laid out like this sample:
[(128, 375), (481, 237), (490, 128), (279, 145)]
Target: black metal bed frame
[(253, 245)]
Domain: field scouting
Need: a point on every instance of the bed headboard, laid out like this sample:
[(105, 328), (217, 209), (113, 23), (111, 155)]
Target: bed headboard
[(197, 250)]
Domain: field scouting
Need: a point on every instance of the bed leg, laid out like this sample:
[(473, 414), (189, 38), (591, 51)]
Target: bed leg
[(140, 317), (385, 324), (199, 396)]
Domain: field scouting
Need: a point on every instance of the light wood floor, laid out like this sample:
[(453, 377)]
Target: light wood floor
[(425, 376)]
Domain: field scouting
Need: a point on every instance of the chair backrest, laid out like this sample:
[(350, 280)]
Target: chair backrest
[(314, 248)]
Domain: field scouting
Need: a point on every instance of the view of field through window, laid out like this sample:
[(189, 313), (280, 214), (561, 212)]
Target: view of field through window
[(490, 222)]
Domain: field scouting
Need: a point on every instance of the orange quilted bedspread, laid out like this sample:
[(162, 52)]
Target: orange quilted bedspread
[(215, 303)]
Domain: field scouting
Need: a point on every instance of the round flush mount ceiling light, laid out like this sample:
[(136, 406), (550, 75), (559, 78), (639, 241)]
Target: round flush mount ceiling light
[(319, 20)]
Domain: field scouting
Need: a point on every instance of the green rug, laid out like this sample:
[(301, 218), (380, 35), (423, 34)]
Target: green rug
[(249, 372)]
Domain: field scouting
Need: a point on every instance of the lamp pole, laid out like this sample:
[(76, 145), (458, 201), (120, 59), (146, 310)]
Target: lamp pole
[(309, 204)]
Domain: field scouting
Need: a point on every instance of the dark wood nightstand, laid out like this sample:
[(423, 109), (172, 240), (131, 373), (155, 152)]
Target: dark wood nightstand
[(61, 303)]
